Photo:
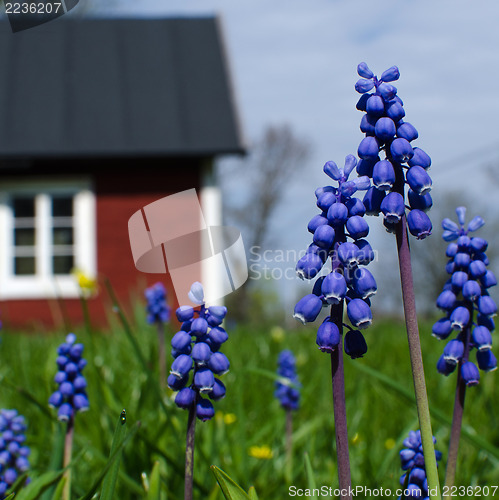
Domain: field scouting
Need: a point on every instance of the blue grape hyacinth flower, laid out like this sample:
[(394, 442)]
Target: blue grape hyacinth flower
[(157, 307), (339, 233), (198, 361), (13, 452), (412, 461), (387, 133), (287, 387), (71, 395), (466, 302)]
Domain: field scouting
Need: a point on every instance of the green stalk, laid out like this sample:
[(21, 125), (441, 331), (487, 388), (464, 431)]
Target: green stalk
[(289, 445), (411, 322)]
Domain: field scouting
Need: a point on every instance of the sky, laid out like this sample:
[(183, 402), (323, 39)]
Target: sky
[(294, 62)]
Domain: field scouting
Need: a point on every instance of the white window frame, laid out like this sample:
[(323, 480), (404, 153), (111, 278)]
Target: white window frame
[(43, 284)]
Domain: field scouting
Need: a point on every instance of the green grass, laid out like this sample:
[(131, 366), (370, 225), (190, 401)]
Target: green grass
[(379, 408)]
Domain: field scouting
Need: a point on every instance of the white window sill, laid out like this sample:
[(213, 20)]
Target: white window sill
[(38, 288)]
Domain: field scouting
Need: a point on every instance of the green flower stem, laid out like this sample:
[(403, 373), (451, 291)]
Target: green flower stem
[(289, 445), (189, 452), (411, 322), (457, 416), (162, 353), (68, 450)]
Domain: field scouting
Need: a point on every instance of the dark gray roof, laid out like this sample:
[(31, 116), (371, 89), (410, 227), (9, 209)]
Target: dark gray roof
[(116, 87)]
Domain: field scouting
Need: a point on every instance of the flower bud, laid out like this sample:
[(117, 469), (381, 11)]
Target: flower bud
[(357, 227), (419, 180), (364, 71), (393, 207), (384, 129), (362, 86), (383, 175), (185, 398), (334, 288), (401, 150), (308, 308), (453, 351), (328, 337), (368, 148), (419, 224), (204, 409), (375, 105), (486, 360), (359, 313), (337, 214), (355, 344), (419, 202), (482, 338), (390, 75), (407, 131), (459, 318), (470, 374), (419, 158)]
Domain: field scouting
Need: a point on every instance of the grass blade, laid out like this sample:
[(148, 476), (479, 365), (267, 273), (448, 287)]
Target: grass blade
[(60, 488), (114, 456), (154, 483), (109, 481), (230, 489), (39, 485), (310, 473), (252, 493)]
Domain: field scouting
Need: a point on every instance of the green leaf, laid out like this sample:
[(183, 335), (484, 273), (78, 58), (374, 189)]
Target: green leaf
[(154, 484), (230, 489), (39, 485), (10, 497), (109, 481), (60, 488), (252, 493), (310, 472), (114, 456)]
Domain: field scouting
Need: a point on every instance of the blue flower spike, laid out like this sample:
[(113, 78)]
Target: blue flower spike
[(71, 395), (197, 360), (413, 463), (339, 233), (13, 452), (466, 302), (287, 387), (157, 307), (386, 133)]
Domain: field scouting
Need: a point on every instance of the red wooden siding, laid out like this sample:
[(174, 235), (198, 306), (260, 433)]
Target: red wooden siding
[(119, 193)]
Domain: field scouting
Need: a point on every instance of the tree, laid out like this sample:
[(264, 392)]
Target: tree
[(266, 172)]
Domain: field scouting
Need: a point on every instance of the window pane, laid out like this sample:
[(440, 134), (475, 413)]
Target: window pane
[(24, 236), (24, 206), (62, 264), (62, 206), (24, 266), (62, 236)]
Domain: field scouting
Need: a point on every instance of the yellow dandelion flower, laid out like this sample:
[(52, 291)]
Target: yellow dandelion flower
[(87, 284), (277, 333), (229, 418), (260, 452), (390, 444)]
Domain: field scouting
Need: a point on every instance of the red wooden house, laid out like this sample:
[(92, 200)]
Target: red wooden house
[(99, 118)]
